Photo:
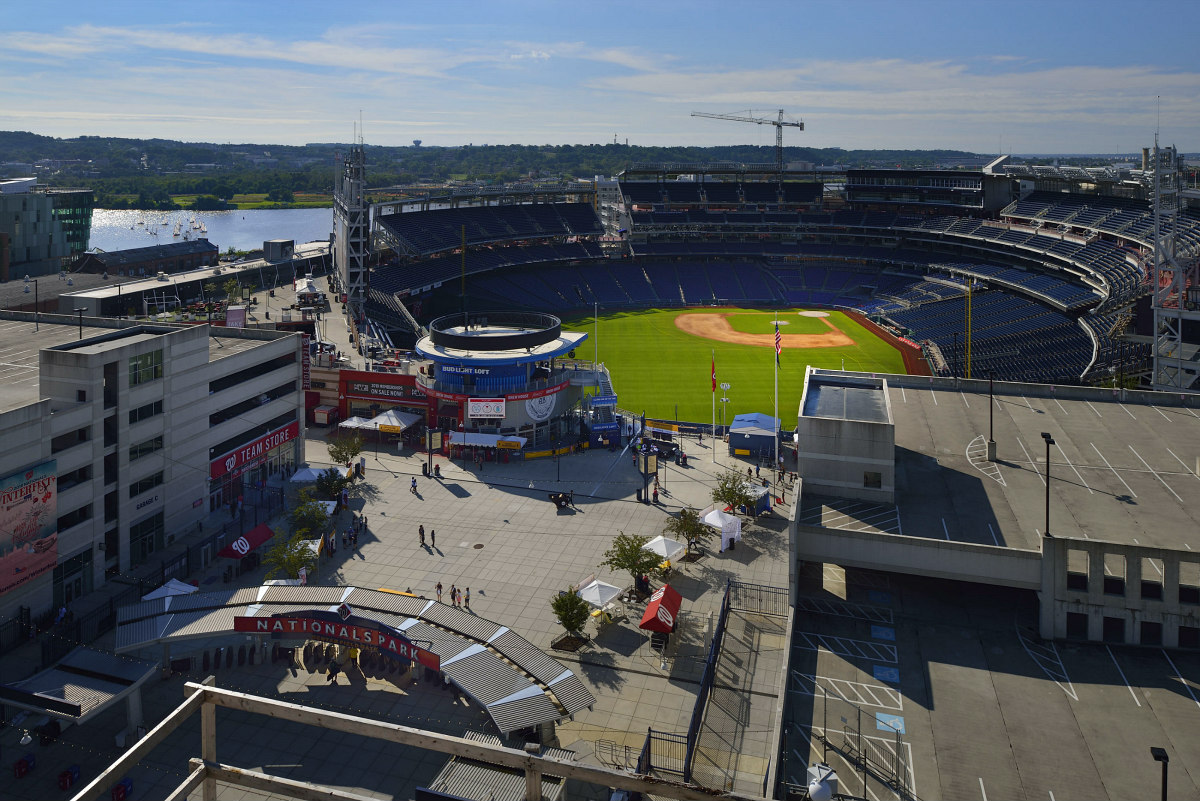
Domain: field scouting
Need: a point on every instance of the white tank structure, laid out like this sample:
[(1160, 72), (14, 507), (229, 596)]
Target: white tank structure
[(822, 783)]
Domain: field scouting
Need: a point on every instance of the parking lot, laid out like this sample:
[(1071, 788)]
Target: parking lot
[(984, 709)]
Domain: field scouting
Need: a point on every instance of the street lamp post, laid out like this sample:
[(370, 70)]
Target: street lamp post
[(954, 362), (991, 443), (1160, 755), (80, 312), (1049, 441)]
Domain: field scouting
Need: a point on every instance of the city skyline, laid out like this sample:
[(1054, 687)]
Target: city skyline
[(1065, 77)]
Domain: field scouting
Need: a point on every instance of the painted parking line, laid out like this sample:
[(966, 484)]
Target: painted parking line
[(964, 399), (1156, 475), (995, 540), (856, 692), (1179, 676), (1114, 470), (1062, 408), (845, 647), (1186, 469), (1032, 464), (883, 633), (884, 746), (1045, 655), (884, 673), (1071, 464), (1126, 410), (825, 606), (945, 530), (1093, 408), (1165, 417), (1122, 673), (889, 723)]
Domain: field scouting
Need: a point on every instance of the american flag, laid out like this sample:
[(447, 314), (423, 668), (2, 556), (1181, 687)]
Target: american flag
[(778, 343)]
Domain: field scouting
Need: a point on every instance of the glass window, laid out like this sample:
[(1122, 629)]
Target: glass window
[(145, 448), (145, 412), (146, 484), (145, 368)]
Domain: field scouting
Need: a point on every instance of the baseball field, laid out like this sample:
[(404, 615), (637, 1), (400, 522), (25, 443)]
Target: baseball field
[(660, 358)]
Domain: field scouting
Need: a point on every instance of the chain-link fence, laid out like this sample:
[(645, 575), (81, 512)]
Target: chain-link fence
[(857, 730)]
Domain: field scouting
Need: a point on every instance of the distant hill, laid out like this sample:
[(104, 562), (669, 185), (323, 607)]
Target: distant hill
[(155, 169)]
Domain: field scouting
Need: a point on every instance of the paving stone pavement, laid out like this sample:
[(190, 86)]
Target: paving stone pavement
[(498, 534)]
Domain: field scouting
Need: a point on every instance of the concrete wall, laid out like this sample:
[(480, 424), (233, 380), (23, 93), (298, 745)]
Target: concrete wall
[(917, 556), (833, 457), (1127, 606)]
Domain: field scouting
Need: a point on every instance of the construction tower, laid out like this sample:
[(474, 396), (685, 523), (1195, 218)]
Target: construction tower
[(351, 231)]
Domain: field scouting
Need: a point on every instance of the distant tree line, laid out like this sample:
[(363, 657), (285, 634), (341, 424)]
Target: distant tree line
[(146, 173)]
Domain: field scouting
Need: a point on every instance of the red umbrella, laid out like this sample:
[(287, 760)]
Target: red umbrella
[(662, 610), (247, 543)]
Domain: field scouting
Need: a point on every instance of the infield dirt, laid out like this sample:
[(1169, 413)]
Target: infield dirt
[(715, 326)]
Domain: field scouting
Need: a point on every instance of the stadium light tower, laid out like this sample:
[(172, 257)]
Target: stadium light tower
[(779, 124)]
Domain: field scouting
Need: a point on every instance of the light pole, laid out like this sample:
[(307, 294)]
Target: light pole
[(35, 303), (725, 387), (1049, 441), (1160, 755), (954, 363), (80, 312), (991, 443)]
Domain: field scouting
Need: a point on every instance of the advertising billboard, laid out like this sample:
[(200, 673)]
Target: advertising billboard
[(485, 407), (28, 524)]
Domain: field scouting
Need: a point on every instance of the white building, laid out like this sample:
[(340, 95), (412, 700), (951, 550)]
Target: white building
[(118, 436)]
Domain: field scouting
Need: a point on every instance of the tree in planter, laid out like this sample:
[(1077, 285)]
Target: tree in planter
[(330, 484), (732, 489), (308, 519), (571, 611), (288, 555), (690, 528), (345, 448), (627, 553), (233, 290)]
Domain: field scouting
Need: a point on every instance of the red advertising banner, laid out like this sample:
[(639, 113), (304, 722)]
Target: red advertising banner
[(377, 636), (28, 524), (305, 362), (517, 396), (238, 460)]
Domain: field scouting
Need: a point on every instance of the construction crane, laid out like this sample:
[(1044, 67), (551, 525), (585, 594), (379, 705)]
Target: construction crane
[(779, 124)]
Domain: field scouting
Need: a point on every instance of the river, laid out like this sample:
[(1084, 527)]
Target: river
[(119, 229)]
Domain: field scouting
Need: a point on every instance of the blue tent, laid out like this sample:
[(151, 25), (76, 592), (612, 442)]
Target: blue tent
[(753, 434)]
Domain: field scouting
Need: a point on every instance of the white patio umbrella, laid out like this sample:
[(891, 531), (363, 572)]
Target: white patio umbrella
[(665, 547), (599, 593)]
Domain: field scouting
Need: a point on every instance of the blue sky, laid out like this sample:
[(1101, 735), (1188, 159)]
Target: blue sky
[(1025, 77)]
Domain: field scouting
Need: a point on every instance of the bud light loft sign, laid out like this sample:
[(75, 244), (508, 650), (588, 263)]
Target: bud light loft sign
[(329, 627)]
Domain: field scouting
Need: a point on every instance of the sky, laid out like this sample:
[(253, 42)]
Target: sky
[(1055, 76)]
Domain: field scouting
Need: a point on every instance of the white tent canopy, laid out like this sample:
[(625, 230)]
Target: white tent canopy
[(599, 593), (356, 422), (172, 587), (665, 547), (305, 474), (729, 525), (392, 421)]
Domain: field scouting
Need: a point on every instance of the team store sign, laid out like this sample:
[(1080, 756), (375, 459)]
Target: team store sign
[(247, 456)]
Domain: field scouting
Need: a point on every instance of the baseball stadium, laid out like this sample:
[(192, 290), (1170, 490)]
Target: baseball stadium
[(909, 299), (961, 405)]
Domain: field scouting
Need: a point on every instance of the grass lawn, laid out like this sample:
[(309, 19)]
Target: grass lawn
[(655, 366), (763, 322)]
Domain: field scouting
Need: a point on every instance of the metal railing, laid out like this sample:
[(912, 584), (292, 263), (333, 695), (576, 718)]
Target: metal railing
[(706, 683)]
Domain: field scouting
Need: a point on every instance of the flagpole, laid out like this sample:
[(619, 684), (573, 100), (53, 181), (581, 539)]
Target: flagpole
[(714, 405), (778, 343)]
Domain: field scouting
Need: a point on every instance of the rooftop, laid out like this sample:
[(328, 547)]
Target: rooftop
[(1120, 470), (846, 398)]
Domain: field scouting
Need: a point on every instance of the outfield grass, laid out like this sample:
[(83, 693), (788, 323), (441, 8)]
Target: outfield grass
[(655, 366)]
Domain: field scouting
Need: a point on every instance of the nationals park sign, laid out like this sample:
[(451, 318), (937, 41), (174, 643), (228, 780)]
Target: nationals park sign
[(328, 626)]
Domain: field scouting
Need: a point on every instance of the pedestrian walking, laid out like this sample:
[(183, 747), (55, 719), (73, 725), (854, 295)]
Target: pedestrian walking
[(467, 599), (343, 539), (572, 499), (453, 595), (364, 523), (749, 472), (354, 540), (333, 671), (413, 488), (432, 538), (421, 534), (757, 474), (439, 591)]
